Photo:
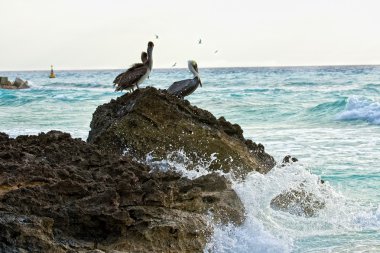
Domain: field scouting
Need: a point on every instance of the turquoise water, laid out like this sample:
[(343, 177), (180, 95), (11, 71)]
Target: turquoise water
[(327, 117)]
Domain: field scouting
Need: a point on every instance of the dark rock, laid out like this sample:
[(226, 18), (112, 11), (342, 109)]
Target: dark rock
[(288, 159), (153, 121), (3, 80), (59, 194), (17, 84), (298, 202), (20, 84)]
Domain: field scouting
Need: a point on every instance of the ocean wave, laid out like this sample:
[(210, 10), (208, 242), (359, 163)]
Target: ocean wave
[(329, 107), (302, 83), (269, 230), (372, 87), (252, 236), (361, 108), (81, 85)]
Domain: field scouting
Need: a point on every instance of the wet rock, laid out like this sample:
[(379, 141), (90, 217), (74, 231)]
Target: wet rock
[(20, 84), (298, 202), (59, 194), (27, 233), (17, 84), (153, 121), (288, 159)]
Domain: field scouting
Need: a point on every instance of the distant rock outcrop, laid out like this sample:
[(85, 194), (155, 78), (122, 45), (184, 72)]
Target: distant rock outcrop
[(153, 121), (59, 194), (17, 84)]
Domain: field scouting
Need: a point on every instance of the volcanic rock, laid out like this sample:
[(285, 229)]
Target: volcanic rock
[(288, 159), (17, 84), (151, 121), (59, 194)]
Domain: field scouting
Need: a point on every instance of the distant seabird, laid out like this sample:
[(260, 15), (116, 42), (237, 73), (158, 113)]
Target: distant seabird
[(174, 64), (200, 41), (156, 36), (184, 88), (137, 75), (216, 51), (144, 57)]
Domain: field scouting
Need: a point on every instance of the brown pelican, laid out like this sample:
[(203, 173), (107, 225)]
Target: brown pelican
[(137, 73), (184, 88), (144, 57)]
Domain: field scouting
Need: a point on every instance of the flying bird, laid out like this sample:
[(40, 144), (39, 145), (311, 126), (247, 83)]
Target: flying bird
[(144, 57), (132, 78), (200, 41), (216, 51), (156, 36), (175, 64), (184, 88)]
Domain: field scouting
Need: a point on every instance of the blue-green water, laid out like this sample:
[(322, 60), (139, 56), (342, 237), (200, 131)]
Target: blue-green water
[(327, 117)]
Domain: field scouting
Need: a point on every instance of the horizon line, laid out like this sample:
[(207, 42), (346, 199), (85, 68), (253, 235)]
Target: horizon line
[(226, 67)]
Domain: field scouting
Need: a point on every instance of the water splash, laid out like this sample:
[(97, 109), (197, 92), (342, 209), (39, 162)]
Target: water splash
[(180, 162), (268, 230)]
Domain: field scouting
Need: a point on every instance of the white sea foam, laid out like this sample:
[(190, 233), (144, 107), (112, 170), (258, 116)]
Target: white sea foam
[(360, 108), (268, 230), (180, 161)]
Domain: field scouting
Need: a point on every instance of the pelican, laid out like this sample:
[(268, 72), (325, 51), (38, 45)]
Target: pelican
[(184, 88), (144, 57), (136, 74)]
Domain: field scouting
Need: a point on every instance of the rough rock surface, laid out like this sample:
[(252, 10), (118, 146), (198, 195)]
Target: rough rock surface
[(17, 84), (153, 121), (59, 194), (298, 202)]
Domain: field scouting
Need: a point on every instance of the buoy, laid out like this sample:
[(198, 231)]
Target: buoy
[(52, 75)]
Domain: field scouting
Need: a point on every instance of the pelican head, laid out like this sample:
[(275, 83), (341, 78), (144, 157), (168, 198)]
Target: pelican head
[(144, 57), (193, 67)]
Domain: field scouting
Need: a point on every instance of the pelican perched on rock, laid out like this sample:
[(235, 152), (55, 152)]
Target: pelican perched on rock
[(184, 88), (137, 73), (144, 57)]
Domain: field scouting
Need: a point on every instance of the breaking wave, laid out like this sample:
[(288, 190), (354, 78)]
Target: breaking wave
[(361, 108)]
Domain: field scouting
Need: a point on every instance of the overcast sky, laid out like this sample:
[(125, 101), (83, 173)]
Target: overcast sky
[(95, 34)]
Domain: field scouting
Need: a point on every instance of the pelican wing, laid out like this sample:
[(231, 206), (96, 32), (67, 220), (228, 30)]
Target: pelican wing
[(134, 66), (118, 78), (184, 88), (130, 78)]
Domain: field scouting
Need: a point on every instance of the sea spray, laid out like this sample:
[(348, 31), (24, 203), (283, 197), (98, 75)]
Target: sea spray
[(180, 162), (268, 230)]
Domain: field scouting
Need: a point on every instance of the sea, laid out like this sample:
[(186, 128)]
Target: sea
[(327, 117)]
